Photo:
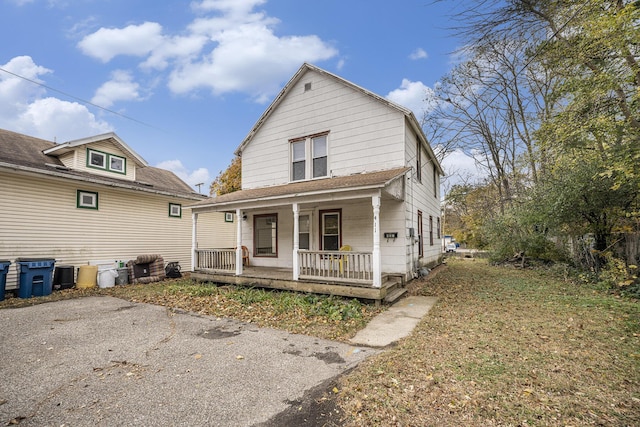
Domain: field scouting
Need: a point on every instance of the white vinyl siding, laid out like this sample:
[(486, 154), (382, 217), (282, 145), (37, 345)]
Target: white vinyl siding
[(44, 222), (366, 135), (422, 193)]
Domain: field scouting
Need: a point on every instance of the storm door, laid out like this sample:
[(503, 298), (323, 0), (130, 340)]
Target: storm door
[(330, 230)]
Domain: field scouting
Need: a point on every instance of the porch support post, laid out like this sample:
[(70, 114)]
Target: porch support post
[(377, 257), (296, 241), (238, 242), (194, 240)]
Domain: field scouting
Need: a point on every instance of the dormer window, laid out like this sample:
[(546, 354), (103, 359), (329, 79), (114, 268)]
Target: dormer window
[(105, 161), (309, 157)]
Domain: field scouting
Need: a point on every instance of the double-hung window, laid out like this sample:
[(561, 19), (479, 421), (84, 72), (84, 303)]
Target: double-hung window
[(309, 157)]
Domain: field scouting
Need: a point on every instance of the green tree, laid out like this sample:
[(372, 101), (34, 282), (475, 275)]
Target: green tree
[(585, 128), (229, 180)]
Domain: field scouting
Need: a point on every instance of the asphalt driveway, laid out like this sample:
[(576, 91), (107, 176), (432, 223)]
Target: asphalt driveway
[(105, 361)]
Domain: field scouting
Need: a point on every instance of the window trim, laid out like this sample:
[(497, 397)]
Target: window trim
[(310, 232), (435, 182), (255, 236), (418, 161), (430, 230), (106, 163), (420, 236), (81, 205), (308, 156), (228, 216), (173, 206), (321, 214), (124, 164), (90, 163)]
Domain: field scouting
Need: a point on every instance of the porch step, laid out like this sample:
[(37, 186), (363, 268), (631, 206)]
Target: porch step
[(394, 286), (394, 295)]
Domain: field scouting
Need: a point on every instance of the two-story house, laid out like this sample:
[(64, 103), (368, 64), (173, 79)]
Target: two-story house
[(340, 188), (93, 199)]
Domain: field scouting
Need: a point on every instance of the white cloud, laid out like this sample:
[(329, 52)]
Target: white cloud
[(121, 87), (461, 168), (26, 109), (249, 58), (229, 47), (236, 7), (413, 95), (136, 40), (419, 53), (200, 175)]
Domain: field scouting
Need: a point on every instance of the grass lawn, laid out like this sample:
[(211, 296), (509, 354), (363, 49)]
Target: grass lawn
[(505, 347)]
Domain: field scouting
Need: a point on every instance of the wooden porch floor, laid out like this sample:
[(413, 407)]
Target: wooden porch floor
[(282, 278)]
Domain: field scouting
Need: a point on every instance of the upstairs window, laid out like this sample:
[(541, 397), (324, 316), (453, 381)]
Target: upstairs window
[(418, 162), (309, 157), (105, 161), (435, 182), (319, 146), (298, 157)]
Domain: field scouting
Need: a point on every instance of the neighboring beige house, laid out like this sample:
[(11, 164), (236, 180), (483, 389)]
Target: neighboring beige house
[(340, 189), (93, 199)]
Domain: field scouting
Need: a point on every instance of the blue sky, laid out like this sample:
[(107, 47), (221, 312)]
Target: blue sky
[(184, 81)]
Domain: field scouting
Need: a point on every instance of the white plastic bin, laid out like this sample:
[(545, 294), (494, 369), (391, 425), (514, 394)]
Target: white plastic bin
[(106, 276)]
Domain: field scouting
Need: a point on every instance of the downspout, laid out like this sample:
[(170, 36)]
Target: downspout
[(239, 220), (194, 240), (377, 257), (296, 241)]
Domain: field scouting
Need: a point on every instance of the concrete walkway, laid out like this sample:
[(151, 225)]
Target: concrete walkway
[(395, 323)]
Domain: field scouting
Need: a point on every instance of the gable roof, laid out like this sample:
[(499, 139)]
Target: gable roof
[(355, 182), (306, 67), (109, 137), (27, 154)]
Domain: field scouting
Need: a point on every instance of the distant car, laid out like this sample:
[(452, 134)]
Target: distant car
[(451, 247)]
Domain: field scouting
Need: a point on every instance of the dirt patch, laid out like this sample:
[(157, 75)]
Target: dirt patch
[(317, 408)]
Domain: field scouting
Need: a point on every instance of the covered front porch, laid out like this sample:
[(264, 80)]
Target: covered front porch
[(322, 237)]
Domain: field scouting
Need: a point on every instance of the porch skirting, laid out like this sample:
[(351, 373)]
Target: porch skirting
[(274, 278)]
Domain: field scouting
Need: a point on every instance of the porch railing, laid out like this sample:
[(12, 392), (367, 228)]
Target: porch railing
[(216, 259), (345, 266)]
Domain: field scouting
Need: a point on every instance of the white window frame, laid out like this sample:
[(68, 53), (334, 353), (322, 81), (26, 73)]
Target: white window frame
[(98, 154), (106, 161), (309, 232), (80, 199), (175, 210), (309, 156), (123, 163)]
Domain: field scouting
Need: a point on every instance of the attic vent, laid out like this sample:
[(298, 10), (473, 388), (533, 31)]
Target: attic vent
[(307, 87)]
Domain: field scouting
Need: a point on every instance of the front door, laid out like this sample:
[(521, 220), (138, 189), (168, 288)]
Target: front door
[(330, 230)]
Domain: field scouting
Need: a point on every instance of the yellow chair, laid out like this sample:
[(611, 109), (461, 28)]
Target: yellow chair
[(344, 248)]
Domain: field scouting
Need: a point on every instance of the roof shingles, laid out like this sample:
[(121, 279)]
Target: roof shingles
[(356, 181), (26, 151)]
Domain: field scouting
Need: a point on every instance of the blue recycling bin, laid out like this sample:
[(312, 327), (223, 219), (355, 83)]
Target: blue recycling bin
[(4, 268), (35, 276)]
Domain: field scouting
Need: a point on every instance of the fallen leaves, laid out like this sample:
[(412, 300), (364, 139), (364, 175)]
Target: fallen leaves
[(508, 348)]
